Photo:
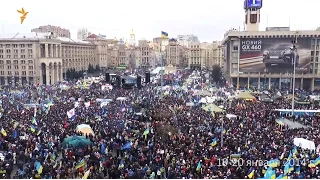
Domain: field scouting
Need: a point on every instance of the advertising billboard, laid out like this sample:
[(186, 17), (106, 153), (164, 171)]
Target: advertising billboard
[(274, 55), (254, 4)]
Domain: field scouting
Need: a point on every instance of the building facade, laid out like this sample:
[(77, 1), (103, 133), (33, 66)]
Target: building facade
[(101, 50), (265, 59), (186, 40), (176, 54), (83, 33), (57, 30), (41, 58)]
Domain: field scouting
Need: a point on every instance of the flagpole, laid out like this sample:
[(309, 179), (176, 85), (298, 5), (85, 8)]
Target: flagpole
[(222, 133)]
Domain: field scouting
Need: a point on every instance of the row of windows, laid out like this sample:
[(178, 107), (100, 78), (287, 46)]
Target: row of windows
[(16, 73), (16, 62), (30, 56), (15, 45), (15, 51), (16, 67)]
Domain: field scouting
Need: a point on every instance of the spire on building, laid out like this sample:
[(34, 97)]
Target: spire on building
[(132, 33), (132, 41)]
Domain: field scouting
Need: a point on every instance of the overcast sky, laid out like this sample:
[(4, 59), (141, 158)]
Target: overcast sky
[(208, 19)]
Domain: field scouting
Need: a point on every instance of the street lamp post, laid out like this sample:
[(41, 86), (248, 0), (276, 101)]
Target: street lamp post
[(222, 130), (294, 48)]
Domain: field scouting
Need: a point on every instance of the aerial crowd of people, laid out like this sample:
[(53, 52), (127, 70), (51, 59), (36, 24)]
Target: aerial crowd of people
[(79, 130)]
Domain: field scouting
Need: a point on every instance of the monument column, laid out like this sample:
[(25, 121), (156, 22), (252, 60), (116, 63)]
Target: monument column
[(46, 50), (47, 75)]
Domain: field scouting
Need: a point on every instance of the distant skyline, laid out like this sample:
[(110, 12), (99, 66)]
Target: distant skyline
[(207, 19)]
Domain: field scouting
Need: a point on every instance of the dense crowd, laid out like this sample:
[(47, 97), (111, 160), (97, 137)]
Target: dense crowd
[(145, 134)]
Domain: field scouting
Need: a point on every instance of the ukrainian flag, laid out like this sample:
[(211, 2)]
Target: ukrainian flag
[(280, 176), (298, 170), (198, 166), (294, 151), (251, 173), (290, 155), (146, 132), (53, 157), (3, 132), (34, 121), (121, 165), (214, 142), (270, 174), (55, 164), (286, 168), (317, 161), (39, 167), (312, 164), (273, 163), (80, 164), (291, 165), (86, 174), (164, 35), (32, 129), (39, 132), (235, 156)]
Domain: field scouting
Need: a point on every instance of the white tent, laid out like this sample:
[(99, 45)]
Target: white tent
[(157, 70), (304, 143), (231, 116)]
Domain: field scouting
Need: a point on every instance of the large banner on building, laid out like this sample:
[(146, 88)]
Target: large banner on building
[(274, 55)]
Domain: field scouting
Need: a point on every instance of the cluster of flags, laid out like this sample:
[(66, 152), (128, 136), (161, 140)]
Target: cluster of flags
[(289, 166)]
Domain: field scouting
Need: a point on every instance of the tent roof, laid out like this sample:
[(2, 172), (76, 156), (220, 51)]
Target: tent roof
[(245, 95), (212, 108)]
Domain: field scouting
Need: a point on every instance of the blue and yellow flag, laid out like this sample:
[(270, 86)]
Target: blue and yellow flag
[(270, 174), (273, 163), (34, 121), (298, 170), (146, 132), (32, 129), (198, 166), (214, 142), (121, 165), (55, 164), (80, 164), (164, 35), (3, 132), (39, 167), (251, 173), (86, 174)]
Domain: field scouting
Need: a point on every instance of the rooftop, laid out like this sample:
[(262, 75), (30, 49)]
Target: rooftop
[(18, 36), (269, 34), (37, 36)]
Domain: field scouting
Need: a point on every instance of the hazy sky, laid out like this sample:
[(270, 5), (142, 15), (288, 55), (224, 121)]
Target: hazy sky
[(208, 19)]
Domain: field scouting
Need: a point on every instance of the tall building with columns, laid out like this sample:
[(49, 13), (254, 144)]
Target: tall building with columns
[(41, 57)]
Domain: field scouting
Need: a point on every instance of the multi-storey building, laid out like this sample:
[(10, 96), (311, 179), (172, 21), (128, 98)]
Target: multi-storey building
[(146, 55), (41, 57), (205, 55), (218, 54), (83, 33), (101, 49), (186, 40), (57, 30), (176, 54), (266, 59), (196, 56)]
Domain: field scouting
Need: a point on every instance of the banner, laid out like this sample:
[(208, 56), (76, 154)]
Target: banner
[(274, 55)]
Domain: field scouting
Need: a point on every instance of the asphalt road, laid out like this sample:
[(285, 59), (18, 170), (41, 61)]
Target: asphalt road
[(260, 67)]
